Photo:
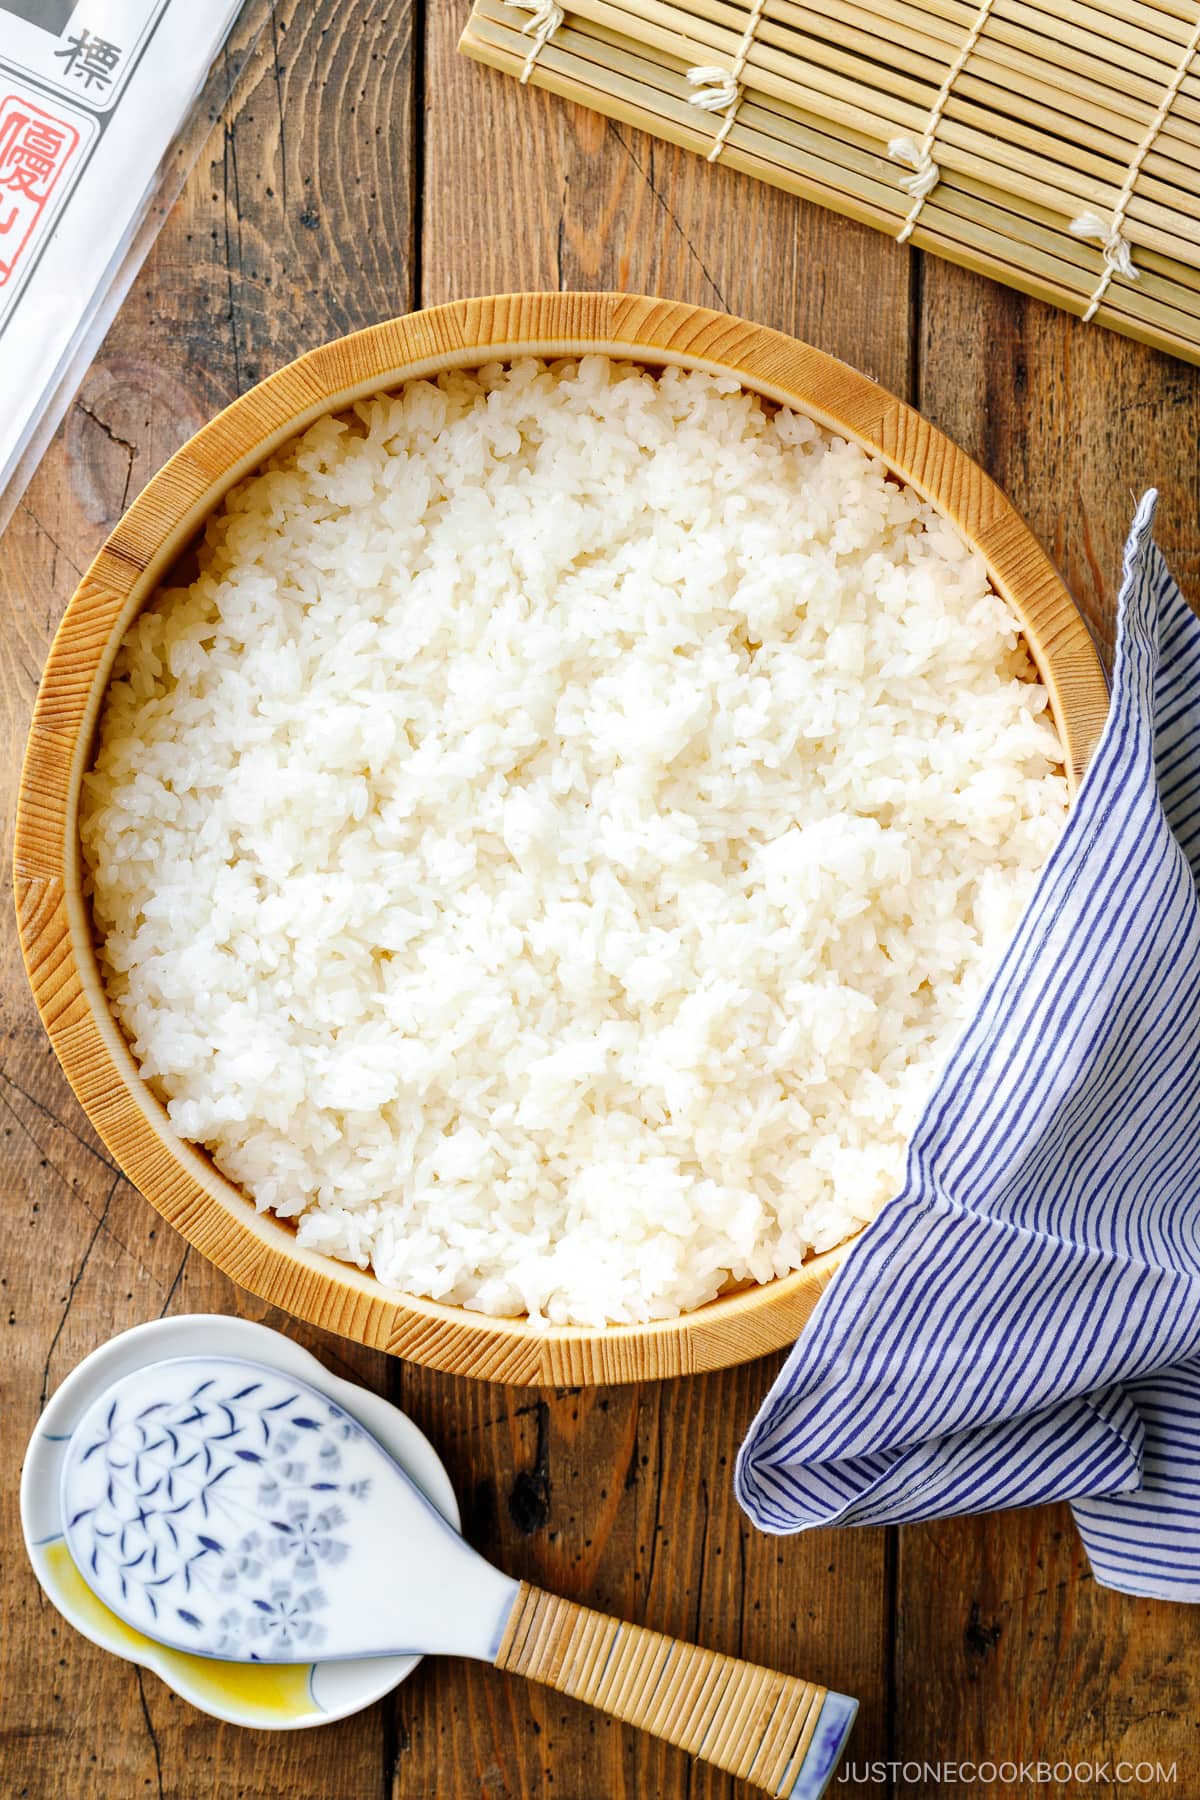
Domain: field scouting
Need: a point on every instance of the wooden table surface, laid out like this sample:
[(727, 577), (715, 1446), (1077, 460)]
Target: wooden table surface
[(367, 169)]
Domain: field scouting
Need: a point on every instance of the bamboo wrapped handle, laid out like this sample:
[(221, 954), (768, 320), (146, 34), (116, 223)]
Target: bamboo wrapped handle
[(780, 1734)]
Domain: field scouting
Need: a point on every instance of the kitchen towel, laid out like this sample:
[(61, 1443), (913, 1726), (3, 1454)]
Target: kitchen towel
[(1022, 1321)]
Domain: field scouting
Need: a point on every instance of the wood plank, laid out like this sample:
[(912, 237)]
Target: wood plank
[(1007, 1649), (525, 191), (1003, 1642), (1005, 1645), (296, 225), (623, 1499), (1072, 424)]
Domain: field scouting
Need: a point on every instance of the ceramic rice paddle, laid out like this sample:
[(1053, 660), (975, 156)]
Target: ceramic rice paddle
[(227, 1509)]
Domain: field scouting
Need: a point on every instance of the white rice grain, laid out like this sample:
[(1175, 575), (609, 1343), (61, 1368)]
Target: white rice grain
[(550, 848)]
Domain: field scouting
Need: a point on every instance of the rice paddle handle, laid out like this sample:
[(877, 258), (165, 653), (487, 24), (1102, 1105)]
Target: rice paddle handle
[(782, 1735)]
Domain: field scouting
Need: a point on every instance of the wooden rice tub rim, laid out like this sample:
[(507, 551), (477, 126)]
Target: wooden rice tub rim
[(255, 1249)]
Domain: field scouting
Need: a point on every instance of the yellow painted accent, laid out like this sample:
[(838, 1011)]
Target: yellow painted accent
[(265, 1691)]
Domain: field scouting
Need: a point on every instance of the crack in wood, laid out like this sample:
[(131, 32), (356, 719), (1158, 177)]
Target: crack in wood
[(173, 1289), (114, 437), (72, 1291), (648, 177), (529, 1495), (53, 1118), (153, 1735)]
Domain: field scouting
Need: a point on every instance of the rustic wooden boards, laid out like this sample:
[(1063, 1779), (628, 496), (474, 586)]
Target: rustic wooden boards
[(962, 1640), (1030, 1658), (273, 234)]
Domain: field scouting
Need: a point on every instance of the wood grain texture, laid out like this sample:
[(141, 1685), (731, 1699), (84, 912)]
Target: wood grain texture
[(238, 270), (1073, 426), (605, 206), (958, 1639), (1031, 1661), (622, 1499), (1027, 1657)]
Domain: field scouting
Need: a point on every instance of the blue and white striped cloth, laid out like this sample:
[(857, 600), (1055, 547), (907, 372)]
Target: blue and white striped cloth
[(1022, 1322)]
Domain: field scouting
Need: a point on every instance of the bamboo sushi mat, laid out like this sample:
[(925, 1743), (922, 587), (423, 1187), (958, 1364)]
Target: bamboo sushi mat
[(1052, 144)]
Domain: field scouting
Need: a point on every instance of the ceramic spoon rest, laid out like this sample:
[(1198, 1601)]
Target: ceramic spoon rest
[(231, 1510)]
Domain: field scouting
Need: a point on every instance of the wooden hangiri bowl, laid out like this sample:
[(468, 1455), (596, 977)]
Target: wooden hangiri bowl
[(260, 1251)]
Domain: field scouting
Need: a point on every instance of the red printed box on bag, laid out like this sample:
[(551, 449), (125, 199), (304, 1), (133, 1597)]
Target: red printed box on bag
[(35, 148), (92, 95)]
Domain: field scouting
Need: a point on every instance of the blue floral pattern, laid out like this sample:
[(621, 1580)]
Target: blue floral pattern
[(215, 1512)]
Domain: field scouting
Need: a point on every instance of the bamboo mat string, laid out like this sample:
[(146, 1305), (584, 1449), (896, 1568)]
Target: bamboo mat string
[(1029, 139), (919, 157), (721, 91), (1118, 257), (545, 19)]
